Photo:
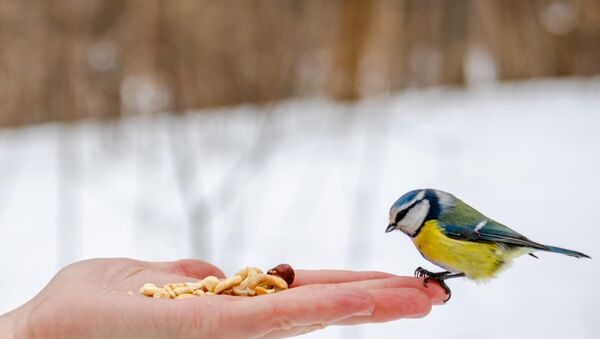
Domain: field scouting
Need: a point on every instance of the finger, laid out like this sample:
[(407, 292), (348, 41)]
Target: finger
[(392, 304), (436, 293), (302, 306), (305, 277), (191, 268)]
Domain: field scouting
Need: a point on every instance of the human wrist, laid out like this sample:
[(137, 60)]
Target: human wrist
[(11, 324), (7, 325)]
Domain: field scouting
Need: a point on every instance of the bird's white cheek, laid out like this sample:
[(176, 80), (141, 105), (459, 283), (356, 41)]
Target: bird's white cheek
[(415, 217)]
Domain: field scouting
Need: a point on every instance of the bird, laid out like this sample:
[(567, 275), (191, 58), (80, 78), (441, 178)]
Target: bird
[(455, 236)]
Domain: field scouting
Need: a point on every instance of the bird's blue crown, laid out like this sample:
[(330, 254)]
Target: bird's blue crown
[(405, 198), (438, 200)]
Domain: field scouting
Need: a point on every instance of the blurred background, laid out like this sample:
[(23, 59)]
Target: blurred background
[(260, 132)]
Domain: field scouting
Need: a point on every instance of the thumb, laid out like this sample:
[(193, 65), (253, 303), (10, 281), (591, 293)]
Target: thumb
[(191, 268)]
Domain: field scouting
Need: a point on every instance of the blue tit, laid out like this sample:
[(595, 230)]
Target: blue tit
[(458, 238)]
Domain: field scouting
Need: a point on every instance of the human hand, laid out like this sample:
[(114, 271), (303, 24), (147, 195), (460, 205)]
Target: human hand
[(90, 299)]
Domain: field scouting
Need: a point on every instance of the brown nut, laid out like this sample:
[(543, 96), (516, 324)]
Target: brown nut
[(284, 271)]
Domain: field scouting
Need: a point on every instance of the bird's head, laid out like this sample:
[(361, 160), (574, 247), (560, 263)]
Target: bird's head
[(414, 208)]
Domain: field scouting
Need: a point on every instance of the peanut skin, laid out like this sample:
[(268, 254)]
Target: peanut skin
[(284, 271)]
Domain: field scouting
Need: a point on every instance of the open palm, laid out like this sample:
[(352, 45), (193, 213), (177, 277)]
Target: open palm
[(90, 299)]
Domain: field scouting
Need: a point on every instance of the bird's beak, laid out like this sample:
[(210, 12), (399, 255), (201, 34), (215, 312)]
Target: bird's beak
[(390, 228)]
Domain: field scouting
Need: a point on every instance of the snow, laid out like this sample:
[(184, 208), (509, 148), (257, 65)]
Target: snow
[(309, 182)]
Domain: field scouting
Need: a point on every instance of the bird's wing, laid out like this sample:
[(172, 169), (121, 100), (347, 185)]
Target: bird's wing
[(465, 223)]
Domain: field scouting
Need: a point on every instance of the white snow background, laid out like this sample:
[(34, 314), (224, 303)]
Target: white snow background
[(309, 182)]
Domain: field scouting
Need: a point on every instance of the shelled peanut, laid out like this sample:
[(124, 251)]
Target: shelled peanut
[(250, 281)]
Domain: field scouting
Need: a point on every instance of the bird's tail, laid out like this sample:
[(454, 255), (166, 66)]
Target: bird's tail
[(566, 251)]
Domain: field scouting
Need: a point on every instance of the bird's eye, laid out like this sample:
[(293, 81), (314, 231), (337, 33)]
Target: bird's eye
[(401, 215)]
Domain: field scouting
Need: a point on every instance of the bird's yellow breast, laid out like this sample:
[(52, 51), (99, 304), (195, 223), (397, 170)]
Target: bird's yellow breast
[(476, 259)]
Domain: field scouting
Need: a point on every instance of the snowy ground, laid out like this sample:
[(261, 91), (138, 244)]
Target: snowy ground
[(310, 183)]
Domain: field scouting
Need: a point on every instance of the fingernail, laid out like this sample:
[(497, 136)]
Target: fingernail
[(438, 302)]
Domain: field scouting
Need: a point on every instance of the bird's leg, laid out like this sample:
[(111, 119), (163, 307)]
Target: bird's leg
[(420, 272), (453, 275)]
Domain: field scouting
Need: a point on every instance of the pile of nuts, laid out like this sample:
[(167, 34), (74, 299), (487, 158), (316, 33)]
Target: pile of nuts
[(250, 281)]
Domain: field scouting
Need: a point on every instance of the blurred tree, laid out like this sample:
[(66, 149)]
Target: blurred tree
[(68, 59), (355, 16)]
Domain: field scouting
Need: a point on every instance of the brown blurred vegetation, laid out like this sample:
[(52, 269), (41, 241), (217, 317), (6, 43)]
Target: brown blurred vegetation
[(72, 59)]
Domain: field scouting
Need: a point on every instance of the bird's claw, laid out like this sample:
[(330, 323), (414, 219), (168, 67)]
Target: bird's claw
[(420, 272)]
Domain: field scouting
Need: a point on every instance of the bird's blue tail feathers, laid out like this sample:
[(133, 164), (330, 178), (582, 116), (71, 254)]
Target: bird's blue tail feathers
[(566, 251)]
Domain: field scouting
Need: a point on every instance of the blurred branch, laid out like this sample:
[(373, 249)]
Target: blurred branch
[(185, 155), (196, 209), (66, 60), (9, 171), (355, 16), (68, 207)]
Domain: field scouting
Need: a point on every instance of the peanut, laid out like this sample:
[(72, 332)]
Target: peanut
[(198, 292), (250, 281), (170, 291), (210, 283), (182, 290), (148, 289), (161, 293), (227, 284), (194, 286)]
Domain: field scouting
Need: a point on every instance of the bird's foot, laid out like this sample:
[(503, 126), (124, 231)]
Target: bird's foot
[(420, 272)]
